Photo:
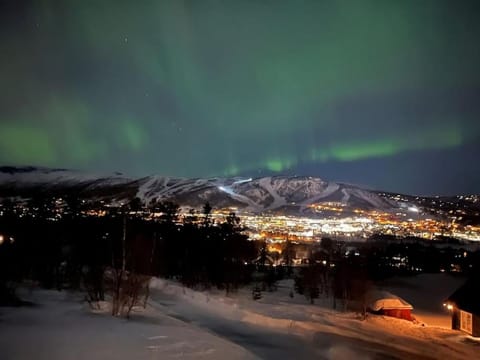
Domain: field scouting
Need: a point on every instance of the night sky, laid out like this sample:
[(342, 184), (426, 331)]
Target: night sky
[(379, 93)]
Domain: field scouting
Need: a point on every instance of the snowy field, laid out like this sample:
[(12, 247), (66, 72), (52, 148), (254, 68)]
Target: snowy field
[(61, 327), (182, 323)]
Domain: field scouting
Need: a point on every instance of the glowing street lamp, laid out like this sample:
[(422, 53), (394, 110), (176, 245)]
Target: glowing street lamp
[(2, 239), (448, 306)]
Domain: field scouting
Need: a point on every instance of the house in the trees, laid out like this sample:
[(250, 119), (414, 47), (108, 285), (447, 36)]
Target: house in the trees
[(384, 303), (465, 307)]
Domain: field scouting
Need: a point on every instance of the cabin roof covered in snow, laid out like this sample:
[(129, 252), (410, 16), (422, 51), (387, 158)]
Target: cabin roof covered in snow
[(383, 300)]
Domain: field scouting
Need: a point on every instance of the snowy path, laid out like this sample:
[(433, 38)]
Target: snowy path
[(263, 342)]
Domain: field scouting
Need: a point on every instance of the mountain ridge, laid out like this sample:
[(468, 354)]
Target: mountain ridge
[(287, 194)]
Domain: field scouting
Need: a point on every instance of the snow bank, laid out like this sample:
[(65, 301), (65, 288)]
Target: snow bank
[(208, 301), (60, 326)]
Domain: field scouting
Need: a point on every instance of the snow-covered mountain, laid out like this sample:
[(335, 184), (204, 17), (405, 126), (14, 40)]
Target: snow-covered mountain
[(291, 195)]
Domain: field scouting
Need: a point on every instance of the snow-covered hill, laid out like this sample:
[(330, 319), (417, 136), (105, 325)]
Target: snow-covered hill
[(183, 323), (290, 195), (39, 176)]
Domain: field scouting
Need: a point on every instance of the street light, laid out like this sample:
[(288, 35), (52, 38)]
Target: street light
[(2, 239)]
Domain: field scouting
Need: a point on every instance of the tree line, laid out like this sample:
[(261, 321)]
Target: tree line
[(118, 253)]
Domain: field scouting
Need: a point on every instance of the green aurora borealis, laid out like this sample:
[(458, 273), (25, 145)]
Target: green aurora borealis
[(206, 88)]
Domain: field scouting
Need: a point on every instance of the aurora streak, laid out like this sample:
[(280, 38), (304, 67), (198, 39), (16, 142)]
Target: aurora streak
[(223, 88)]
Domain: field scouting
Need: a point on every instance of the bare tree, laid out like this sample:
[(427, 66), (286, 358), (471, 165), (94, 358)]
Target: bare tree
[(130, 281)]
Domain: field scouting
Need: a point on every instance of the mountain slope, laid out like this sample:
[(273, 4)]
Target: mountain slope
[(281, 194)]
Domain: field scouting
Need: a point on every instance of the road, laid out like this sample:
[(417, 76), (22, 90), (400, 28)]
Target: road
[(262, 342)]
